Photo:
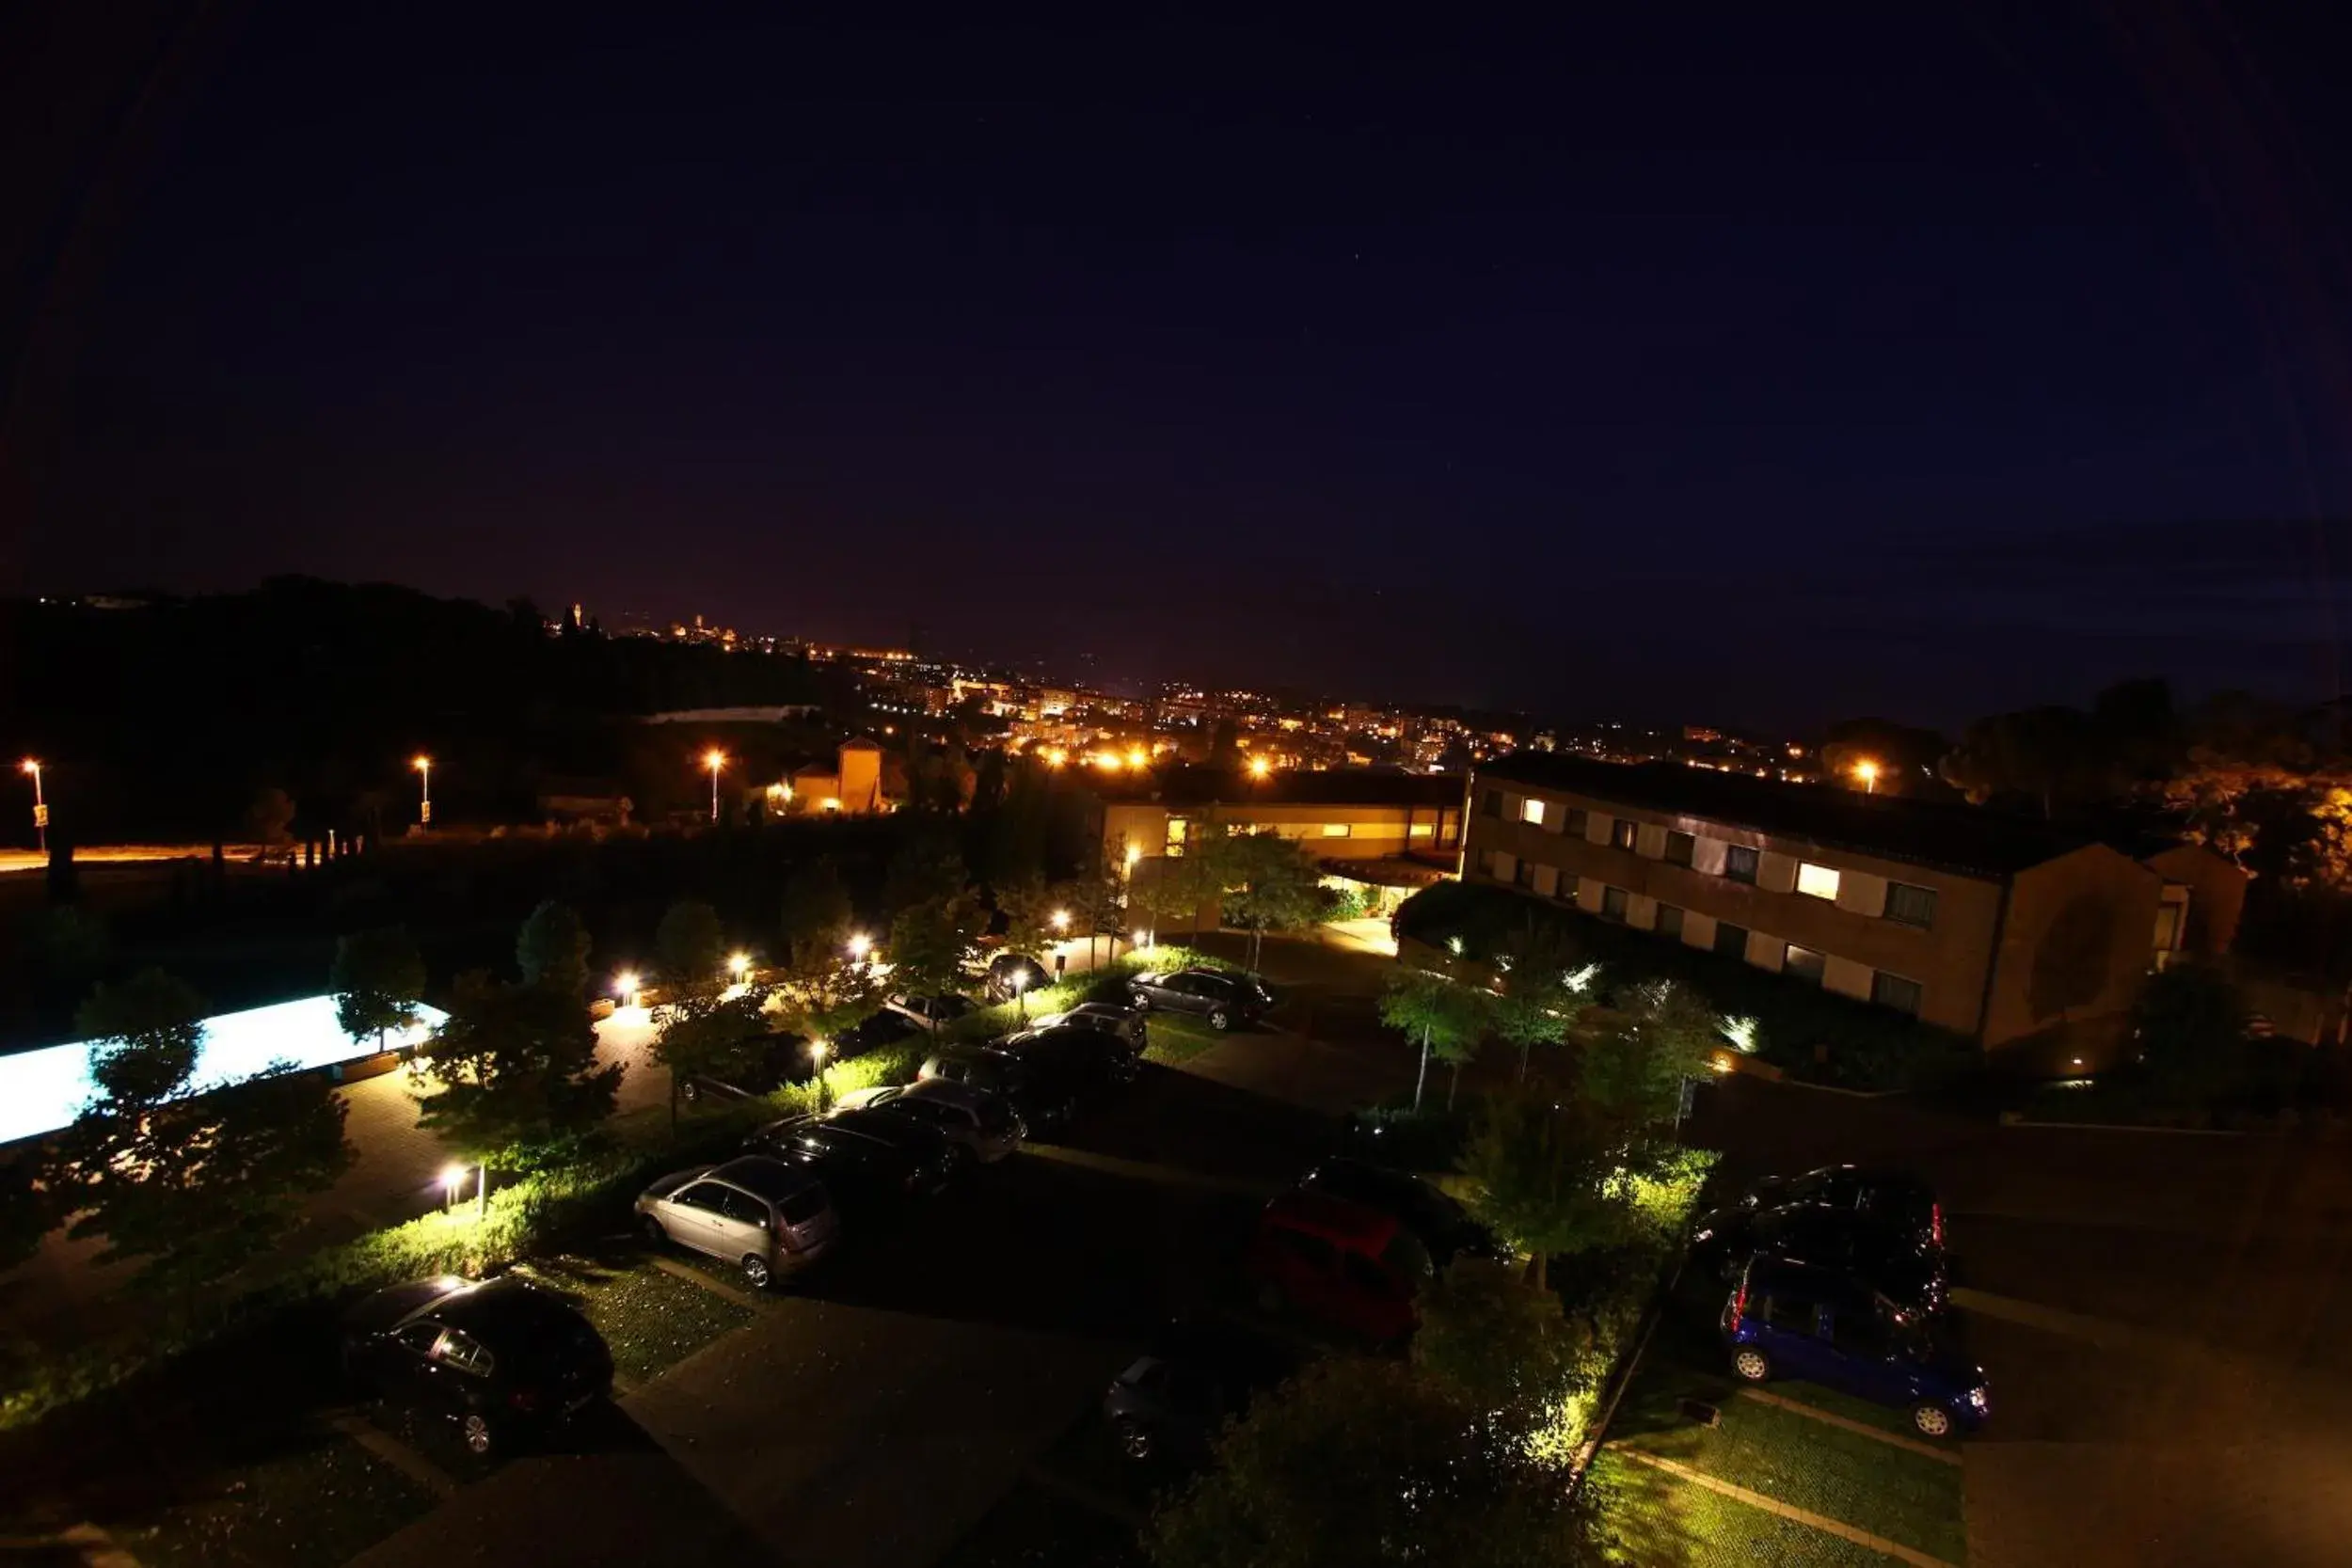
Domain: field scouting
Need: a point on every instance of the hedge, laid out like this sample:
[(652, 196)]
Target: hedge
[(1809, 1033)]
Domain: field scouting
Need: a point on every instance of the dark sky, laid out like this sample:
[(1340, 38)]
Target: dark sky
[(1758, 364)]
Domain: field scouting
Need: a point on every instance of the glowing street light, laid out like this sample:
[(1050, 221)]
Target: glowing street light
[(624, 986), (1061, 920), (1056, 757), (41, 805), (1134, 856), (860, 944), (714, 759), (1020, 982), (454, 1182), (817, 1053), (740, 965), (1867, 771), (423, 765), (1260, 768), (1137, 757)]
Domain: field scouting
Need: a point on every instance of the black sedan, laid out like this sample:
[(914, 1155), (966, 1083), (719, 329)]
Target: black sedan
[(1089, 1059), (1227, 1001), (1170, 1404), (499, 1361), (1895, 1200), (1891, 1263), (1042, 1098), (1442, 1226), (860, 1170), (1123, 1020)]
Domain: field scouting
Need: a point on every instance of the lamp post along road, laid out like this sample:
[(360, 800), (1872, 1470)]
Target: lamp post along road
[(424, 804), (714, 760), (40, 804)]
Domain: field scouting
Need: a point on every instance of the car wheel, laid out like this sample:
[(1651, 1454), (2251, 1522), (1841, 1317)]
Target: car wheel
[(690, 1091), (1751, 1364), (1135, 1440), (1143, 1003), (755, 1272), (1219, 1019), (476, 1431), (1933, 1420), (654, 1235)]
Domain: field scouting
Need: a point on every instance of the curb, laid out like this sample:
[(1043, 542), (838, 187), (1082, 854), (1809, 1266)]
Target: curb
[(1590, 1447)]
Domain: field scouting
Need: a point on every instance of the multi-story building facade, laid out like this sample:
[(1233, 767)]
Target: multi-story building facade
[(1993, 928)]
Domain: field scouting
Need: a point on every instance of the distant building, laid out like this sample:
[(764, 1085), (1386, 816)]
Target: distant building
[(851, 784), (2023, 936)]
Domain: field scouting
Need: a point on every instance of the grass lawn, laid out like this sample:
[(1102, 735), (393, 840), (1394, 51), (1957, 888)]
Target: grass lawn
[(1656, 1520), (652, 1320), (1177, 1037), (1846, 1476), (324, 1502)]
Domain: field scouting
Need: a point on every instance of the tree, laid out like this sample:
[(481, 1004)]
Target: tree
[(1502, 1346), (1029, 905), (691, 945), (270, 818), (2191, 1026), (1631, 1069), (1364, 1463), (377, 978), (703, 1034), (1545, 1177), (552, 950), (816, 915), (1448, 1015), (29, 1209), (928, 943), (511, 1074), (194, 1179), (926, 867), (1546, 988), (1270, 883)]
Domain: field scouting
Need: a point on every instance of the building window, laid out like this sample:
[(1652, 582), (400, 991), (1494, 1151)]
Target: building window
[(1579, 822), (1567, 887), (1621, 832), (1740, 864), (1910, 906), (1731, 941), (1678, 849), (1612, 904), (1422, 829), (1525, 874), (1670, 921), (1893, 991), (1804, 963), (1817, 882), (1532, 810), (1336, 830), (1492, 805)]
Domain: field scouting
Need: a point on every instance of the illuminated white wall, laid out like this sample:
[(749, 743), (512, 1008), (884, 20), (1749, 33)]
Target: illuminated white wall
[(44, 1090)]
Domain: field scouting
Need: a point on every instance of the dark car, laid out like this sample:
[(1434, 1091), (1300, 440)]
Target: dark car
[(932, 1010), (1339, 1264), (870, 1034), (1045, 1099), (1091, 1060), (1891, 1262), (1896, 1199), (1013, 973), (1121, 1019), (860, 1171), (918, 1138), (1790, 1319), (499, 1361), (1227, 1001), (764, 1065), (1437, 1222), (1170, 1403)]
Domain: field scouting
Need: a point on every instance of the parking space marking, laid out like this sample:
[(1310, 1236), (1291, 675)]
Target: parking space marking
[(1942, 1456), (2104, 1332), (717, 1287), (1145, 1170), (393, 1451), (1774, 1505)]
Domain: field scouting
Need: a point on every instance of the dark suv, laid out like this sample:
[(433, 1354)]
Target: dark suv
[(1893, 1199), (1793, 1319), (1894, 1262), (1227, 1001)]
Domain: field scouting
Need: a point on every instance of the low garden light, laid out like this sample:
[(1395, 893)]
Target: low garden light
[(1020, 982), (624, 988), (1134, 856), (818, 1051), (860, 944), (740, 965)]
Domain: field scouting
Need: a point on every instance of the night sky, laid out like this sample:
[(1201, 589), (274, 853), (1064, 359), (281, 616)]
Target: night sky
[(1753, 364)]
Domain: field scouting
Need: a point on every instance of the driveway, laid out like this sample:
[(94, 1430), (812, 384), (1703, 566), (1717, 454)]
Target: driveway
[(2160, 1314)]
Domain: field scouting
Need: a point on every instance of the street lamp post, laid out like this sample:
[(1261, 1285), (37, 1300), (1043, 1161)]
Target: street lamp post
[(41, 805), (423, 766), (1868, 773), (1020, 988), (817, 1050), (714, 759)]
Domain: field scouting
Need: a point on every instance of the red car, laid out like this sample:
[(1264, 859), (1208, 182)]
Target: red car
[(1339, 1264)]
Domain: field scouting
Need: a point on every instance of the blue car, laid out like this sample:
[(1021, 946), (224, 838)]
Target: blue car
[(1793, 1319)]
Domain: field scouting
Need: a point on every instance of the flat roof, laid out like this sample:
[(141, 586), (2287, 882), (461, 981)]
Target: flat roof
[(44, 1090), (1973, 840), (1190, 787)]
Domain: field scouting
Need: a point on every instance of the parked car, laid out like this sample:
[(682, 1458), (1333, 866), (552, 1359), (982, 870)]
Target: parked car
[(935, 1010), (1170, 1404), (1338, 1264), (925, 1143), (861, 1172), (767, 1218), (1897, 1199), (1041, 1094), (1442, 1226), (1123, 1020), (500, 1361), (981, 1122), (1091, 1060), (1227, 1001), (1793, 1319), (873, 1032), (1010, 973), (766, 1065), (1891, 1262)]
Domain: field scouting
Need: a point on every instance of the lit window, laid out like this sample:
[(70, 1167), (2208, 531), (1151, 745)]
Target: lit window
[(1804, 963), (1817, 882), (1337, 829), (1422, 830), (1622, 832), (1532, 811)]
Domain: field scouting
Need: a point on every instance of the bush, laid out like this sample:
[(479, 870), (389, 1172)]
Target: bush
[(1810, 1034)]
